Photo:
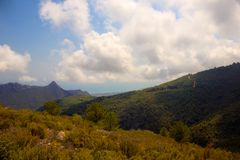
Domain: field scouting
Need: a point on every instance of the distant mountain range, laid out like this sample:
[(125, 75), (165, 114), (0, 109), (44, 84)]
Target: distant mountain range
[(24, 96), (208, 101)]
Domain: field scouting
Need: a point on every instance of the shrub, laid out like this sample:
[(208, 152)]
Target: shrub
[(180, 132), (164, 132), (111, 121), (76, 119), (52, 108), (129, 148), (6, 123), (37, 130), (95, 112), (80, 138), (40, 153), (108, 155), (82, 154), (13, 140)]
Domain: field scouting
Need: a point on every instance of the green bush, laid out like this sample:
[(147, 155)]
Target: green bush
[(164, 132), (52, 108), (95, 112), (180, 132), (111, 121)]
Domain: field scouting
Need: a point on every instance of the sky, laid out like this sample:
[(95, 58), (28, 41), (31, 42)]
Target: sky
[(112, 45)]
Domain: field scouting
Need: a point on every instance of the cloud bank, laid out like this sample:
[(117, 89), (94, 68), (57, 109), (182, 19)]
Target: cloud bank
[(153, 39)]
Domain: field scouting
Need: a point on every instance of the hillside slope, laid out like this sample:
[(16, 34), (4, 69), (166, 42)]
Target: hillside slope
[(24, 96), (25, 134), (191, 99)]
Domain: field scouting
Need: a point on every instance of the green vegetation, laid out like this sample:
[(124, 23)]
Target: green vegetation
[(208, 102), (180, 132), (111, 121), (69, 102), (32, 135), (95, 112), (52, 108), (164, 132)]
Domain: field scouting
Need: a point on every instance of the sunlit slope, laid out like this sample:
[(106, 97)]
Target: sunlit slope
[(30, 135), (191, 99)]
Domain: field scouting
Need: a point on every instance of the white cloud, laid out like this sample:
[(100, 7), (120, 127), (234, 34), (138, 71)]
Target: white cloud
[(71, 13), (13, 61), (117, 10), (27, 79), (155, 39), (185, 36), (102, 57)]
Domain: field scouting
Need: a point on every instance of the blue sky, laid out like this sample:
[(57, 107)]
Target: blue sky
[(22, 28), (111, 46)]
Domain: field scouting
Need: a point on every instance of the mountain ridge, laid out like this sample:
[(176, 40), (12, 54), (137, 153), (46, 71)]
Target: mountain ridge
[(21, 96), (197, 99)]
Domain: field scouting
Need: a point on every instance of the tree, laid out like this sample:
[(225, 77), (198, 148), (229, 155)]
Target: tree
[(164, 132), (180, 132), (52, 108), (95, 112), (111, 121)]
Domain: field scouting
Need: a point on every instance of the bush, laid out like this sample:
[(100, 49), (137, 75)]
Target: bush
[(82, 154), (95, 112), (80, 138), (129, 148), (108, 155), (52, 108), (6, 123), (76, 119), (37, 130), (40, 153), (164, 132), (111, 121), (180, 132), (13, 140)]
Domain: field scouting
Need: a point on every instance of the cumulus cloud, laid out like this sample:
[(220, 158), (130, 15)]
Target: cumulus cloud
[(184, 36), (71, 13), (117, 10), (27, 79), (13, 61), (101, 57), (155, 40)]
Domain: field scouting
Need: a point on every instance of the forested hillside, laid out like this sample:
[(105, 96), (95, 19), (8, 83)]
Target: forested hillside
[(207, 101), (25, 134)]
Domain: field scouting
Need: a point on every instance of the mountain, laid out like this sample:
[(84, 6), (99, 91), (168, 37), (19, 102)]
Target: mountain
[(208, 101), (25, 96)]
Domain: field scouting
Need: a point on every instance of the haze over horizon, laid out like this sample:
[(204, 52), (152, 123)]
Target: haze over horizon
[(112, 46)]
